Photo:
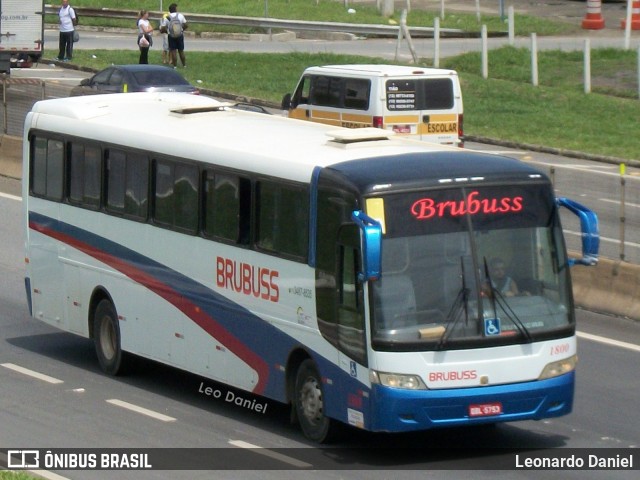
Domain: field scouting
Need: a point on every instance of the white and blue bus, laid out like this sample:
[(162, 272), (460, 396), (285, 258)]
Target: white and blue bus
[(344, 272)]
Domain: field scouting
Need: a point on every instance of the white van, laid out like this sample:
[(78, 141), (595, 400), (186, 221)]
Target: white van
[(422, 102)]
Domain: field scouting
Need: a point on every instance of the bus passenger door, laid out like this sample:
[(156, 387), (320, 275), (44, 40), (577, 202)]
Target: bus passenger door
[(351, 323)]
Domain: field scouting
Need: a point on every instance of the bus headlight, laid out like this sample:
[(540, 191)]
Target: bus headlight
[(397, 380), (560, 367)]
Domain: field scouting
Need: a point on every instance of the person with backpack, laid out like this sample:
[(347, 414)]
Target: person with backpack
[(175, 31), (68, 21)]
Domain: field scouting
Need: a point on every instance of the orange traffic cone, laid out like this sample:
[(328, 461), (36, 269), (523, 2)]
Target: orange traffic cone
[(593, 20), (635, 16)]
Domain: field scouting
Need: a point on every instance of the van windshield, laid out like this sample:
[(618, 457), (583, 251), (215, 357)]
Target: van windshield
[(420, 94)]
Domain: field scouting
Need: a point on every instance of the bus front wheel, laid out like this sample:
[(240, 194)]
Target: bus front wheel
[(106, 337), (309, 404)]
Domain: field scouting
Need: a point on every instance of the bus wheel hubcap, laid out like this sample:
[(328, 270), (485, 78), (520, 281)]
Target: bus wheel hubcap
[(311, 400)]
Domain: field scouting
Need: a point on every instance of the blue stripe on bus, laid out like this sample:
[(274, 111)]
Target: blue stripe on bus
[(259, 344)]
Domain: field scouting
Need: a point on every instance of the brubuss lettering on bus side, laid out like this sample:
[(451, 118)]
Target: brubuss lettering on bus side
[(247, 279)]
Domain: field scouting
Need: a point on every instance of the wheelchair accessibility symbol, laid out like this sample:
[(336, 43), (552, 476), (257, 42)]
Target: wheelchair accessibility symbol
[(491, 327)]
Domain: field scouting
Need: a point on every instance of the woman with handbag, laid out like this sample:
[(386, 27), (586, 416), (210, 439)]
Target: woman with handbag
[(145, 39)]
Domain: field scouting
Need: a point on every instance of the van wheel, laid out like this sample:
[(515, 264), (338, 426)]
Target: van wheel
[(309, 404), (106, 337)]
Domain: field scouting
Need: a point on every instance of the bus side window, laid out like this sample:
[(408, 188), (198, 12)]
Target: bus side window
[(176, 195), (282, 223), (351, 327), (85, 175), (127, 183), (47, 168), (227, 200)]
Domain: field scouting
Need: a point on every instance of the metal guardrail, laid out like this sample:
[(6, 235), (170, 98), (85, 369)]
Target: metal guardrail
[(271, 23)]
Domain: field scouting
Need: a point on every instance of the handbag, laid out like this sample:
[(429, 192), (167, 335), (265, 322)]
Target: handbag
[(143, 42), (76, 36)]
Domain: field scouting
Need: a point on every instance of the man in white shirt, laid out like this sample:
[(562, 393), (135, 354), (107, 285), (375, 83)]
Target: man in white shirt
[(68, 21)]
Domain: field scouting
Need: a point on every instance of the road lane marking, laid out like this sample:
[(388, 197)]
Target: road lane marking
[(609, 341), (271, 454), (31, 373), (141, 410), (604, 239), (618, 202), (10, 197)]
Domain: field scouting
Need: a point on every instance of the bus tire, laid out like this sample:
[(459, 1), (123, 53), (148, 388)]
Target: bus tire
[(309, 404), (106, 338)]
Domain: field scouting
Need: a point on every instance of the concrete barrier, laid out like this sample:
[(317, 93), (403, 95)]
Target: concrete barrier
[(611, 287)]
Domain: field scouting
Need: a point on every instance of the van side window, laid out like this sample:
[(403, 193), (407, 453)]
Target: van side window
[(301, 96), (356, 93), (325, 91)]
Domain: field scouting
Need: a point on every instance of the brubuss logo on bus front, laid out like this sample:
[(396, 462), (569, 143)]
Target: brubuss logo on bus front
[(473, 204)]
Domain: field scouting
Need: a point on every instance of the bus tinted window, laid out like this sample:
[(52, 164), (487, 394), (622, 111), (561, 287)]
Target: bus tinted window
[(85, 175), (47, 172), (226, 207), (176, 195), (127, 183), (282, 212)]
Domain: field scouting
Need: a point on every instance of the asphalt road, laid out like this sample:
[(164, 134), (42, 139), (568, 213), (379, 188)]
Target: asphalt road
[(75, 405)]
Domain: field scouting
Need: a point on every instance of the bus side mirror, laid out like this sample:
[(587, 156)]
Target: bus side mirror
[(589, 231), (371, 245), (286, 102)]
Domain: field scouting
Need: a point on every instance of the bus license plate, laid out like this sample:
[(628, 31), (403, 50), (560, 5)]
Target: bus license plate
[(485, 409)]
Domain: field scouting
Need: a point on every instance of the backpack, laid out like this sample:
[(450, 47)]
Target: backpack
[(175, 26)]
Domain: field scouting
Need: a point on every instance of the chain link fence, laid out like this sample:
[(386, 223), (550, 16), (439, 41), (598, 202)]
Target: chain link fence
[(18, 97)]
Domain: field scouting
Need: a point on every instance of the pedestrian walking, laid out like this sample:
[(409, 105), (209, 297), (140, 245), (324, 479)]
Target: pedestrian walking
[(68, 21), (145, 38), (175, 31)]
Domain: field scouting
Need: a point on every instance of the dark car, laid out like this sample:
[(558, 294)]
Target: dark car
[(134, 78)]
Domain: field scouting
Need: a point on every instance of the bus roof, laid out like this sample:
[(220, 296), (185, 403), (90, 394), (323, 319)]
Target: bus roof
[(203, 129), (375, 70)]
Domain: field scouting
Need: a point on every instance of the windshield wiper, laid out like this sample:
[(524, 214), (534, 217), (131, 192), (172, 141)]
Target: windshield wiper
[(460, 303), (499, 299)]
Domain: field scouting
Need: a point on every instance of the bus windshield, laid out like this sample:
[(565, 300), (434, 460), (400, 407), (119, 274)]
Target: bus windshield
[(463, 268)]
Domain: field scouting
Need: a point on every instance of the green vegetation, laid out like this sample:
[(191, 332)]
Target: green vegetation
[(5, 475), (506, 106), (320, 10)]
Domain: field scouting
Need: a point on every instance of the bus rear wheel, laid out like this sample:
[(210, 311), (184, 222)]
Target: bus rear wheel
[(106, 337), (309, 404)]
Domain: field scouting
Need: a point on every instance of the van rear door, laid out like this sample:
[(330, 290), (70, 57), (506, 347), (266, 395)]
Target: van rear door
[(429, 107)]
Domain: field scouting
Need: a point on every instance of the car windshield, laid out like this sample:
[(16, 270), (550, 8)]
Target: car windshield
[(465, 278), (159, 78)]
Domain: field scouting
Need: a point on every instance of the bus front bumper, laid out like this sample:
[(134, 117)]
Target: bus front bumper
[(399, 410)]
